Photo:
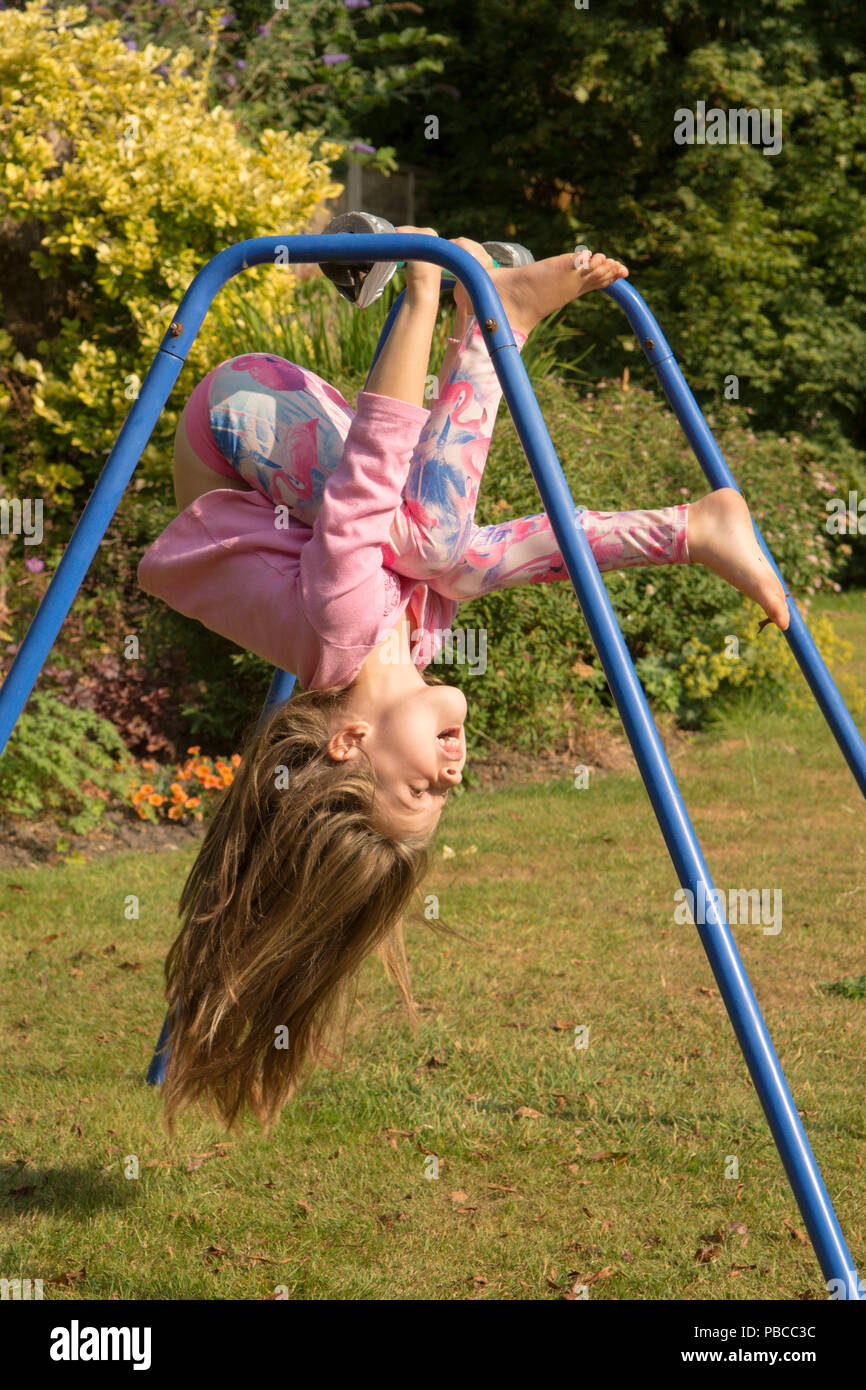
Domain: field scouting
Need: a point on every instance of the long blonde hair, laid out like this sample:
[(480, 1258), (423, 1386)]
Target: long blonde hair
[(292, 887)]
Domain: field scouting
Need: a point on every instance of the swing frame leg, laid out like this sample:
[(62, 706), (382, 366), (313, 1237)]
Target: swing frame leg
[(666, 800)]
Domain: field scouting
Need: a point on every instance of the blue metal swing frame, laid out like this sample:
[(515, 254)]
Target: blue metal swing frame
[(685, 851)]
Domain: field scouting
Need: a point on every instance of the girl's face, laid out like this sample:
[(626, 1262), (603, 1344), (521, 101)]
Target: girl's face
[(417, 747)]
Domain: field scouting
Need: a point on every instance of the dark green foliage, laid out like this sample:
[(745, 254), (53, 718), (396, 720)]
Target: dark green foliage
[(852, 987), (58, 760), (558, 125)]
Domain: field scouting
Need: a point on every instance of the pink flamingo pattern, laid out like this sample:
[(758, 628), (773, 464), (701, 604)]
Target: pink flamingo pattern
[(283, 429)]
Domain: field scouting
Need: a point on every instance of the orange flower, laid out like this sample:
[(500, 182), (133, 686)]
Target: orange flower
[(197, 749), (156, 799), (175, 812), (178, 792), (236, 759), (194, 801)]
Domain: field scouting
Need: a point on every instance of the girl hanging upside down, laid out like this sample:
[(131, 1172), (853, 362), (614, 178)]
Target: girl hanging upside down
[(326, 540)]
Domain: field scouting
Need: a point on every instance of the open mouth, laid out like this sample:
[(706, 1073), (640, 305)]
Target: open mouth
[(451, 742)]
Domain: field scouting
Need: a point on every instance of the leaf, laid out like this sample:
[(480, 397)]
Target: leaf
[(65, 1281), (705, 1253), (613, 1156), (797, 1234), (459, 1196), (527, 1113), (26, 1191)]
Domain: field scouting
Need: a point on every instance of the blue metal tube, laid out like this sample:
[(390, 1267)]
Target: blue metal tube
[(139, 424), (680, 838), (761, 1059), (718, 474)]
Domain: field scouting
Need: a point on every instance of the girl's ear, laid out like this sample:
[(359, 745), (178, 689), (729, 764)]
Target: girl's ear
[(346, 742)]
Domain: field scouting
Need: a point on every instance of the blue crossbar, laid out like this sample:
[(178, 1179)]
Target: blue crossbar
[(682, 843)]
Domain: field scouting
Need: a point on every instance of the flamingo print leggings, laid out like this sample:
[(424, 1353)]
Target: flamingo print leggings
[(281, 429)]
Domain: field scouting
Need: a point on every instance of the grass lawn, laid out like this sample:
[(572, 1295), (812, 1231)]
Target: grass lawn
[(607, 1165)]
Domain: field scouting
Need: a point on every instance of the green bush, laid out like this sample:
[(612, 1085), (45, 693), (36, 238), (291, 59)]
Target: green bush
[(304, 65), (120, 183), (66, 762)]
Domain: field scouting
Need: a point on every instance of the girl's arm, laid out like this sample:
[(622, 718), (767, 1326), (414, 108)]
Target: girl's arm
[(401, 369)]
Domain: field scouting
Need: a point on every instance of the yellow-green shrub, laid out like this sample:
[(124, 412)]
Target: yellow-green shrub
[(124, 184), (764, 661)]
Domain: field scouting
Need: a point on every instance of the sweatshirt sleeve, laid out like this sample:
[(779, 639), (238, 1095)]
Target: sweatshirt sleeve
[(342, 585), (224, 562)]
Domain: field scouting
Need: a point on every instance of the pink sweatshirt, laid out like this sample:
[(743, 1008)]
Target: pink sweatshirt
[(313, 601)]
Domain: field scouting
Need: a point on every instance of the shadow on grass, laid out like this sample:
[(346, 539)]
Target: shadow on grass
[(70, 1189)]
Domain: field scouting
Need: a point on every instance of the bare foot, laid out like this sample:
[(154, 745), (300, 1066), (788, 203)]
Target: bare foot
[(530, 292), (721, 536)]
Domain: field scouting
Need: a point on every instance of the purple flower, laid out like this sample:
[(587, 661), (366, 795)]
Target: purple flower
[(357, 4), (263, 29), (232, 80), (239, 63), (131, 46), (34, 565), (226, 20), (329, 59), (360, 148)]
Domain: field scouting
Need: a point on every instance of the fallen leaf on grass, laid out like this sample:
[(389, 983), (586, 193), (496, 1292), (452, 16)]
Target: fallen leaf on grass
[(501, 1186), (388, 1218), (130, 965), (798, 1235), (740, 1269), (25, 1191), (579, 1280), (214, 1253), (527, 1113), (562, 1025), (705, 1253), (432, 1063), (66, 1280), (196, 1160), (459, 1196), (393, 1134), (613, 1156)]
